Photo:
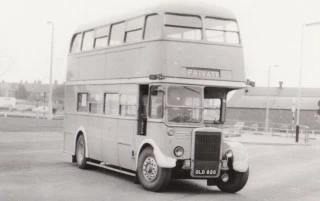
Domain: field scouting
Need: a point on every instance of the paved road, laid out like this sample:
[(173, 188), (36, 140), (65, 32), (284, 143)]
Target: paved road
[(33, 168)]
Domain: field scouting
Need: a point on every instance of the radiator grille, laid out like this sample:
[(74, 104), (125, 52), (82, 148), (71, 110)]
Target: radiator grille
[(206, 153)]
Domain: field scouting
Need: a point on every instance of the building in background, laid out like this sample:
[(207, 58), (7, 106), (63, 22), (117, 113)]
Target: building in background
[(249, 105), (33, 93)]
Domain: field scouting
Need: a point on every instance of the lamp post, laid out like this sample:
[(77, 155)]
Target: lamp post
[(50, 77), (266, 128), (300, 75)]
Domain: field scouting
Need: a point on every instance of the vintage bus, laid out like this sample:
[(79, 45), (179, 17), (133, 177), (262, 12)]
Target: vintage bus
[(145, 96)]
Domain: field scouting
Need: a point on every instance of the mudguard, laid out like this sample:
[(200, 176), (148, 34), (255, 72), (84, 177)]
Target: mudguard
[(240, 155), (162, 160)]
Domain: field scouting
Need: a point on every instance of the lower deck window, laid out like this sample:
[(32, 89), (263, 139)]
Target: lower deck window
[(83, 105), (212, 109), (111, 104), (128, 105), (96, 103)]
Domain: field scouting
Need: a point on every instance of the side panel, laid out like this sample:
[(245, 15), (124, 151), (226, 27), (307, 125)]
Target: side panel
[(68, 143), (92, 60), (93, 130), (129, 61), (109, 140), (70, 121), (124, 61), (126, 130)]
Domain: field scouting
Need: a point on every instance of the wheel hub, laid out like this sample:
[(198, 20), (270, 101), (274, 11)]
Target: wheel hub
[(150, 169)]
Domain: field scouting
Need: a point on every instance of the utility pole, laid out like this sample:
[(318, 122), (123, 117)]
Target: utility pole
[(50, 77), (266, 128), (7, 94), (300, 75), (293, 109)]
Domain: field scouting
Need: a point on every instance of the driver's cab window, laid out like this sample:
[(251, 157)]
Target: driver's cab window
[(156, 102), (212, 109), (214, 105)]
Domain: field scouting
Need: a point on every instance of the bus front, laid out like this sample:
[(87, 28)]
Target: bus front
[(204, 61)]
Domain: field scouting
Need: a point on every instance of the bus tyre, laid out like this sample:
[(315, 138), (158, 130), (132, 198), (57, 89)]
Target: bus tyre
[(80, 152), (236, 181), (151, 176)]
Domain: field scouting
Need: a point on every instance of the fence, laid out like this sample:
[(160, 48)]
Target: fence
[(287, 130)]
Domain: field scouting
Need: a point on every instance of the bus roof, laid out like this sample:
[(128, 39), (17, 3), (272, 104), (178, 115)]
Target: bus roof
[(195, 8)]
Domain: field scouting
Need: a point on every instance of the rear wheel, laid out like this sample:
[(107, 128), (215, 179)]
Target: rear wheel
[(80, 152), (236, 181), (151, 176)]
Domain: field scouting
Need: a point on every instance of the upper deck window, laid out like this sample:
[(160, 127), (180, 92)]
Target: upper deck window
[(76, 43), (222, 31), (117, 34), (134, 30), (88, 40), (102, 37), (183, 27), (153, 27)]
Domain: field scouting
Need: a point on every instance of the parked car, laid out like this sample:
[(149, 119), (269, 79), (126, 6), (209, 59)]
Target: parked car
[(41, 109), (24, 107)]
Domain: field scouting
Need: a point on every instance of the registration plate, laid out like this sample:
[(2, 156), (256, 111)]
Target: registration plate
[(205, 172)]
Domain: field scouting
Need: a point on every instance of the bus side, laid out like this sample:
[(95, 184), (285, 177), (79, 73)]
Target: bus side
[(169, 58), (109, 137)]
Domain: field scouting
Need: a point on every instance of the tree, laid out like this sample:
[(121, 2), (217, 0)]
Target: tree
[(58, 94), (21, 92), (34, 97)]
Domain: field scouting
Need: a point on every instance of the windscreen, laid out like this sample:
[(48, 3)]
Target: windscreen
[(184, 104)]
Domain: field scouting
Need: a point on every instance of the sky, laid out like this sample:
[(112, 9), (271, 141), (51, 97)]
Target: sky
[(271, 32)]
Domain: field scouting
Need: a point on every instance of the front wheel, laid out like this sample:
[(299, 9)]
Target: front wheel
[(151, 176), (236, 181)]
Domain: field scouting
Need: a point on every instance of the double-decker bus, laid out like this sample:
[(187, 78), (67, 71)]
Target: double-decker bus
[(145, 95)]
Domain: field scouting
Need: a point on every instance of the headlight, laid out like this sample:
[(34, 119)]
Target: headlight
[(229, 154), (178, 151)]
